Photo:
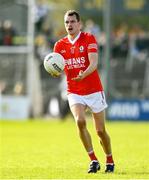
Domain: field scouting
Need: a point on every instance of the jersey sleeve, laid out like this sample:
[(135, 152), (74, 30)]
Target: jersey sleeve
[(56, 47), (92, 44)]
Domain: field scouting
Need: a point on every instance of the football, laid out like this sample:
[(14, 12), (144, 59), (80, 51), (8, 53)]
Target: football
[(54, 63)]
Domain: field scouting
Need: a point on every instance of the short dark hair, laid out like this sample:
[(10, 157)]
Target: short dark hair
[(73, 12)]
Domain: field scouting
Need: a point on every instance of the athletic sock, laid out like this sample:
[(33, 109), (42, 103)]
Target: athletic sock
[(92, 156), (109, 159)]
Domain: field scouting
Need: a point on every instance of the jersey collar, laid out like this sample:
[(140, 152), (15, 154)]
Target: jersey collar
[(75, 39)]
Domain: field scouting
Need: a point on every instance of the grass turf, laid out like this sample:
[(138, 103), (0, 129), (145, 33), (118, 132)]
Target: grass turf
[(52, 150)]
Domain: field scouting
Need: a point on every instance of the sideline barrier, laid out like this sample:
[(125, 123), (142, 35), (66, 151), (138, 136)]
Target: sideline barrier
[(14, 107), (123, 109)]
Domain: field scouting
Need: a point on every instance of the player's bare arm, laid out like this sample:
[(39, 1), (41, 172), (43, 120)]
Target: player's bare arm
[(93, 59)]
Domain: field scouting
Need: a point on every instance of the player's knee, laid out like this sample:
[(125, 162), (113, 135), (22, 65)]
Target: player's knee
[(81, 124), (101, 132)]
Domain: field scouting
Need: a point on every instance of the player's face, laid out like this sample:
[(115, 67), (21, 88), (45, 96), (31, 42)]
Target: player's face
[(72, 26)]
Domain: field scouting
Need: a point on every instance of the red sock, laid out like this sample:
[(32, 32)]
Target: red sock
[(109, 159), (92, 156)]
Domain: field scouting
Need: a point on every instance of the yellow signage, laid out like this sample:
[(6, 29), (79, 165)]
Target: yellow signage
[(134, 4), (94, 4)]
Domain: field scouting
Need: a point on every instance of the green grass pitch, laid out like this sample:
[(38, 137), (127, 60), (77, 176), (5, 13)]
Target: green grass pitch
[(41, 149)]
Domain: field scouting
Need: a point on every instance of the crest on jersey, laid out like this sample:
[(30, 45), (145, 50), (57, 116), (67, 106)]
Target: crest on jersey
[(81, 48)]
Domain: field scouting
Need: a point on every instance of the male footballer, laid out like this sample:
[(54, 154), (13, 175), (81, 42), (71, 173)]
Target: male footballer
[(80, 51)]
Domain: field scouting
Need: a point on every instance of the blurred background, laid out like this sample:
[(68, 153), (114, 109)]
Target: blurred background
[(28, 31)]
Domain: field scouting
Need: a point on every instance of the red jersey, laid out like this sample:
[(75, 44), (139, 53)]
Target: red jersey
[(75, 54)]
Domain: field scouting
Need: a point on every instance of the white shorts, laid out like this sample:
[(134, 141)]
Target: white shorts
[(96, 102)]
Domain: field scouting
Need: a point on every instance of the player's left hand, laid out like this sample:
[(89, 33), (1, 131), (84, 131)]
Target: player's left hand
[(79, 77)]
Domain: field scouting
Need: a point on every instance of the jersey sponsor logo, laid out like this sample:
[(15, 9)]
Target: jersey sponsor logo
[(92, 46), (75, 62)]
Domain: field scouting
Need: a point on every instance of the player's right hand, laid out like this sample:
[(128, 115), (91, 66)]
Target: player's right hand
[(79, 77)]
